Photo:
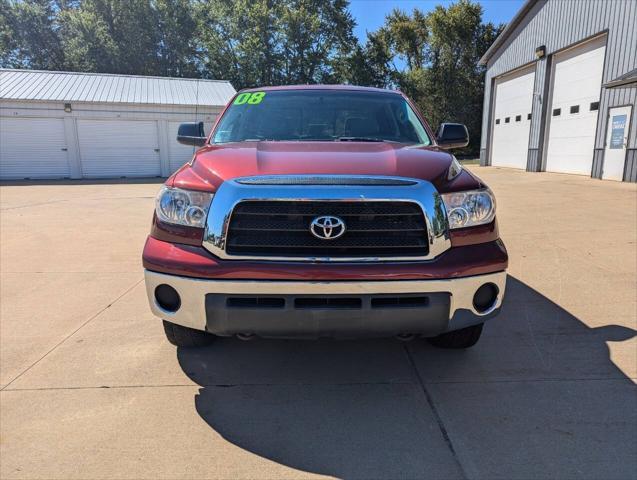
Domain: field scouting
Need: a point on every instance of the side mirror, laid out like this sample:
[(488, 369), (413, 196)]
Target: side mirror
[(452, 135), (191, 133)]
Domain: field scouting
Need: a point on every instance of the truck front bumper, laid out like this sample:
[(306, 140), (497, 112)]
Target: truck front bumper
[(281, 308)]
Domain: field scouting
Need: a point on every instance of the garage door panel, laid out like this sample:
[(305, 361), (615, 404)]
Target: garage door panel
[(577, 78), (513, 99), (115, 148), (33, 148)]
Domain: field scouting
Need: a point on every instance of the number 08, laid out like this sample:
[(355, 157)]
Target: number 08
[(251, 98)]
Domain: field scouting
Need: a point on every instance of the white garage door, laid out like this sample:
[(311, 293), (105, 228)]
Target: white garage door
[(33, 148), (118, 148), (512, 119), (577, 79)]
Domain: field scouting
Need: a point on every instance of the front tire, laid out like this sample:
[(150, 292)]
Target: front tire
[(463, 338), (186, 337)]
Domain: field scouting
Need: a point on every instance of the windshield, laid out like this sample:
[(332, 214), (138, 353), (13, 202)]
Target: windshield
[(320, 115)]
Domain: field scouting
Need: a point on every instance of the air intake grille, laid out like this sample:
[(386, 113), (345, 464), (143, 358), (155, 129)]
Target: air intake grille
[(282, 229)]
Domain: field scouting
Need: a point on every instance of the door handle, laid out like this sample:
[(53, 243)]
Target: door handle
[(65, 149)]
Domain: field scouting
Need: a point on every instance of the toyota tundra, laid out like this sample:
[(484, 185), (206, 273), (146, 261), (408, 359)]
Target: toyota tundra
[(324, 211)]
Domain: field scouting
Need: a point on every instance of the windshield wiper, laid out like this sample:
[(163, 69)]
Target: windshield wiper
[(363, 139)]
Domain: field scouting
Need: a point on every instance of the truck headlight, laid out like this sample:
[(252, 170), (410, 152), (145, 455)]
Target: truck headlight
[(468, 209), (182, 207)]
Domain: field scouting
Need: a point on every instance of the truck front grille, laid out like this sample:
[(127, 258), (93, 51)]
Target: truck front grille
[(282, 229)]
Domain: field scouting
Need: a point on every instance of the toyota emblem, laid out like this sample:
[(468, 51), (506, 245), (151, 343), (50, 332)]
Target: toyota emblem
[(327, 228)]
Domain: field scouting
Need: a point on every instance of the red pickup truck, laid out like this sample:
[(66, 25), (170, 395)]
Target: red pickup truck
[(324, 211)]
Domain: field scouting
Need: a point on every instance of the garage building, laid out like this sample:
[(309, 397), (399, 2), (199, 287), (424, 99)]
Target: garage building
[(91, 125), (560, 90)]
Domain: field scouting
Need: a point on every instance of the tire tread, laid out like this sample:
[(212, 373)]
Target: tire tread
[(181, 336), (463, 338)]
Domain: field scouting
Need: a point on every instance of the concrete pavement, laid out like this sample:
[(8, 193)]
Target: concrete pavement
[(91, 389)]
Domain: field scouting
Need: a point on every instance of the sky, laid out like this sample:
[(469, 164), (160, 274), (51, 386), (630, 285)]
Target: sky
[(370, 14)]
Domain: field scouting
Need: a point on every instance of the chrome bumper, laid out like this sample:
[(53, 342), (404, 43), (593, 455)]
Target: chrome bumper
[(192, 312)]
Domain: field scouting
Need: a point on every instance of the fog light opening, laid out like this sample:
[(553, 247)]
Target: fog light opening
[(485, 297), (167, 298)]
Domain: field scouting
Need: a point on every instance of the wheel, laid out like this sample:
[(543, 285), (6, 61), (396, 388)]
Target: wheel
[(186, 337), (463, 338)]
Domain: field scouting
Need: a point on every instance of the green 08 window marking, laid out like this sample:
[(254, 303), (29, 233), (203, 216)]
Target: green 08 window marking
[(251, 98)]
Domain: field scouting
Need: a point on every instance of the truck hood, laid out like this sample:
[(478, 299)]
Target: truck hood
[(213, 164)]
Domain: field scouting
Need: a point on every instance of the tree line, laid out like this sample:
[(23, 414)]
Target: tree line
[(430, 56)]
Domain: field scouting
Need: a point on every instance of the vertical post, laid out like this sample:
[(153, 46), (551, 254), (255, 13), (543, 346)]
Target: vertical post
[(485, 158), (164, 160), (545, 118), (72, 144)]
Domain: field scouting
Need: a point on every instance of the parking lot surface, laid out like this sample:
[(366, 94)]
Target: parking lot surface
[(91, 388)]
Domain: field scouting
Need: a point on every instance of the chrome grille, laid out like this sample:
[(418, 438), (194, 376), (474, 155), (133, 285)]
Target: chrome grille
[(282, 229)]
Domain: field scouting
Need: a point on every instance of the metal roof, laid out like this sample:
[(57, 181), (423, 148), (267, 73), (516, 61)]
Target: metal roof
[(508, 30), (110, 88)]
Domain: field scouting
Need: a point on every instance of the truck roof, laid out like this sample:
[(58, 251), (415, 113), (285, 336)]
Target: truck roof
[(321, 87)]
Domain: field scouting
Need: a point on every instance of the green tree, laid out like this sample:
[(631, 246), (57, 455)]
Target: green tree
[(434, 60), (7, 35), (368, 65), (29, 35), (315, 34), (430, 56), (452, 85), (177, 44), (151, 37), (113, 36), (269, 42), (239, 41), (407, 36)]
